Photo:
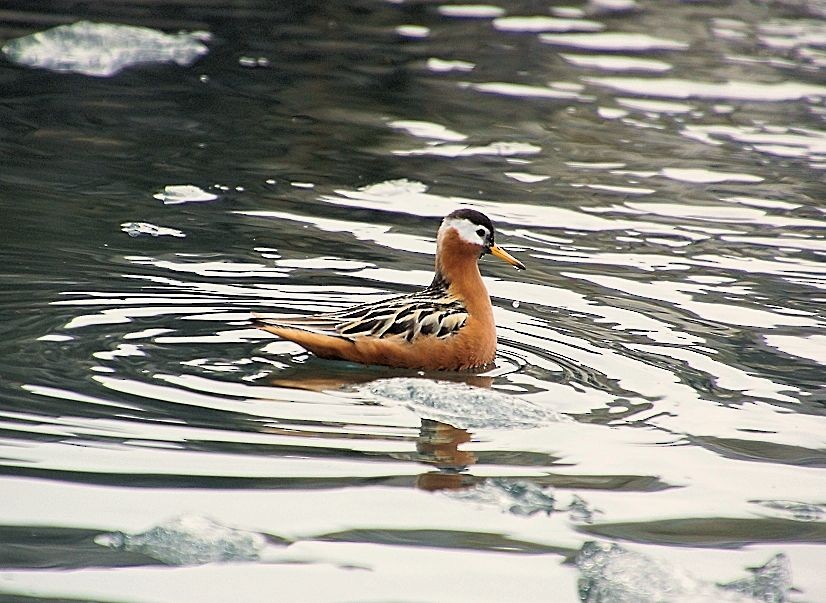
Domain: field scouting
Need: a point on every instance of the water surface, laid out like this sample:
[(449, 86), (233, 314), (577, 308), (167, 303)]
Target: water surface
[(659, 381)]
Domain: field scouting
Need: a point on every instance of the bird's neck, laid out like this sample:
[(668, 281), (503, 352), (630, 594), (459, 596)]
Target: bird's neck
[(457, 270)]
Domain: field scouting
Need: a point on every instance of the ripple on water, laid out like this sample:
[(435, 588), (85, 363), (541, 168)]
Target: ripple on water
[(770, 140), (670, 315)]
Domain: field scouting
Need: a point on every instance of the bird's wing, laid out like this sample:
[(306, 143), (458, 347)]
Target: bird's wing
[(432, 312)]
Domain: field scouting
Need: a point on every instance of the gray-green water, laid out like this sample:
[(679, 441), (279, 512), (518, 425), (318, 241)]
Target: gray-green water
[(659, 168)]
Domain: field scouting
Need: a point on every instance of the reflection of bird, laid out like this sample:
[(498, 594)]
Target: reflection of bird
[(447, 326)]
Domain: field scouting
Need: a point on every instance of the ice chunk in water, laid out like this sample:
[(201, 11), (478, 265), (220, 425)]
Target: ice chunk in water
[(137, 229), (770, 583), (103, 49), (175, 194), (462, 405), (609, 572), (190, 540), (519, 497)]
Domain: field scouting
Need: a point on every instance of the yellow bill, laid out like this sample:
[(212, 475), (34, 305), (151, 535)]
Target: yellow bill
[(503, 255)]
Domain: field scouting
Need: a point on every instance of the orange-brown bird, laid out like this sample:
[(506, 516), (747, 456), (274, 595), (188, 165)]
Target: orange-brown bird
[(447, 326)]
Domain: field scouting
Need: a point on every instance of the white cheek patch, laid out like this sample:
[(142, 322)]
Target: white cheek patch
[(466, 229)]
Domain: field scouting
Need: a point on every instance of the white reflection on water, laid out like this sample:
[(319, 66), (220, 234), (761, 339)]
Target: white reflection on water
[(682, 296), (526, 91), (731, 90), (497, 149), (608, 41), (812, 347), (414, 197), (542, 23), (610, 62), (471, 11), (771, 140), (425, 129)]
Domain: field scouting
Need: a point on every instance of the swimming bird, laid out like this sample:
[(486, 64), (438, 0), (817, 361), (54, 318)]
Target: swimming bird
[(446, 326)]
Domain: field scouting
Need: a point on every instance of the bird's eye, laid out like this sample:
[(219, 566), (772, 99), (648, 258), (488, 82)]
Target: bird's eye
[(481, 232)]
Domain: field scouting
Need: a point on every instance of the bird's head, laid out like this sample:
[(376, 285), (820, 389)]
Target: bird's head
[(468, 231)]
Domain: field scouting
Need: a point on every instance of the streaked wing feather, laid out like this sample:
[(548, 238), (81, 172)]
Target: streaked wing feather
[(432, 311)]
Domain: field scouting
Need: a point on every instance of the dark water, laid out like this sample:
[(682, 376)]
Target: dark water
[(659, 383)]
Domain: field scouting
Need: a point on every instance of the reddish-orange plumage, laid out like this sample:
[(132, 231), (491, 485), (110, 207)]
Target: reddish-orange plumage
[(447, 326)]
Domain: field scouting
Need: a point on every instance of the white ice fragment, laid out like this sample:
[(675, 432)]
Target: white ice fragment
[(609, 572), (137, 229), (190, 540), (175, 194), (519, 497), (103, 49)]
